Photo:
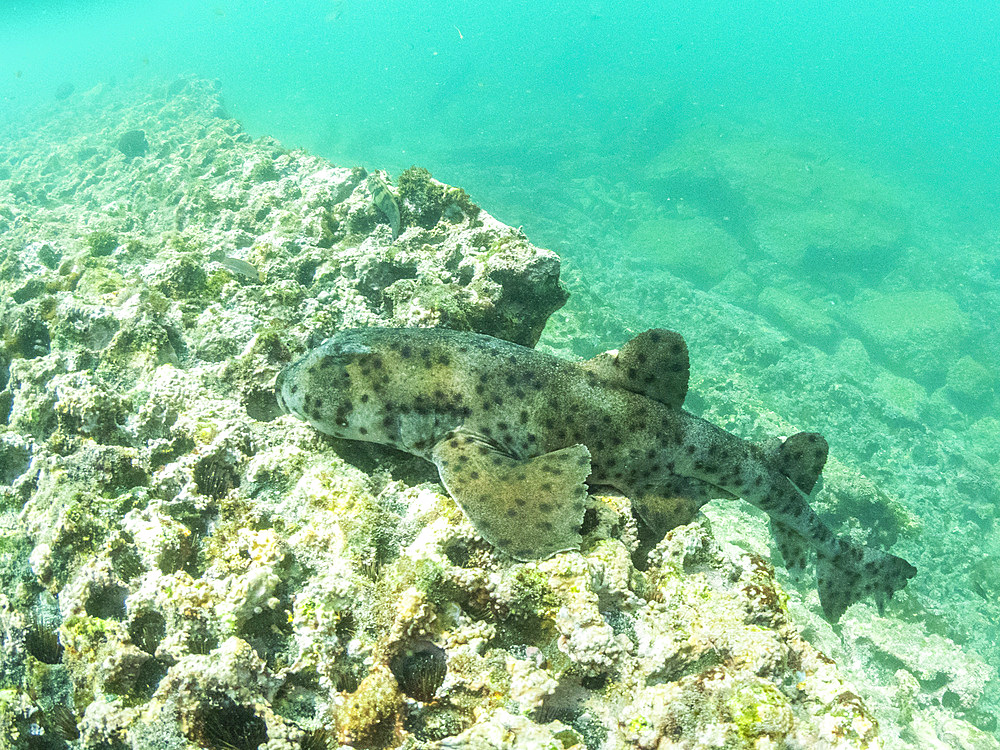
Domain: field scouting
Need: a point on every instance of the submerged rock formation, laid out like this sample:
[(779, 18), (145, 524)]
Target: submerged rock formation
[(183, 568)]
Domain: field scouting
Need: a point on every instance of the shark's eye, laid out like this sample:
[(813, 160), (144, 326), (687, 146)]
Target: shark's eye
[(341, 422)]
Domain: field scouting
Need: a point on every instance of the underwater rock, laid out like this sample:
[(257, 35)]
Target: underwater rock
[(969, 381), (692, 247), (132, 143), (220, 575), (796, 199), (807, 320), (15, 456), (936, 662), (918, 331)]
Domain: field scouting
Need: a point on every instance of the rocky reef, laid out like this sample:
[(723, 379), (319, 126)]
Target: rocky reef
[(182, 567), (776, 349)]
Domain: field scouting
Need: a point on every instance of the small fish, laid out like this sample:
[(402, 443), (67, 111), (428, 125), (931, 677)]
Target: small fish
[(518, 435), (385, 202), (237, 266)]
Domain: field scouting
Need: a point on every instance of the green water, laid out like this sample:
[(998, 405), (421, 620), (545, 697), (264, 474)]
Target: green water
[(529, 85), (823, 172)]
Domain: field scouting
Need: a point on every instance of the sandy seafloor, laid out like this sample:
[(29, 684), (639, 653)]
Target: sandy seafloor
[(182, 567)]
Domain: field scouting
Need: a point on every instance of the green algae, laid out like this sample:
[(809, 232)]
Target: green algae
[(531, 595), (102, 242), (185, 277), (424, 202), (760, 710), (263, 171)]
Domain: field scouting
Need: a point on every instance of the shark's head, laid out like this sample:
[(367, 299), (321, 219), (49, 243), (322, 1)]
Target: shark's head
[(326, 387)]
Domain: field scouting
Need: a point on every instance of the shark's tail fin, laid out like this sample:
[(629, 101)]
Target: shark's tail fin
[(856, 573)]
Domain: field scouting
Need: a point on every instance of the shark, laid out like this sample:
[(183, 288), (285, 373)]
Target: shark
[(519, 437)]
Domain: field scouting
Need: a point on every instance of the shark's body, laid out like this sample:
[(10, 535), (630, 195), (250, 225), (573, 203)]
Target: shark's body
[(516, 434)]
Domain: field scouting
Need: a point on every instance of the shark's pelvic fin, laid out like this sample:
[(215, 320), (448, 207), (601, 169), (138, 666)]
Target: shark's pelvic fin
[(675, 503), (794, 548), (529, 508), (800, 457)]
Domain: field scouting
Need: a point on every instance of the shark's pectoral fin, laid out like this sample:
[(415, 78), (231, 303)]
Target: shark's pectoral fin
[(794, 548), (529, 508), (654, 363), (675, 502)]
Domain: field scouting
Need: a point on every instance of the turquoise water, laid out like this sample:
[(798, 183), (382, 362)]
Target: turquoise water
[(912, 86), (828, 168)]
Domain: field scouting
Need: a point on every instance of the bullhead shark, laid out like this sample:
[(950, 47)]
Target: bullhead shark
[(518, 435)]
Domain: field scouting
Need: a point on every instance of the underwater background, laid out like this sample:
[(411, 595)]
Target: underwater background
[(808, 192)]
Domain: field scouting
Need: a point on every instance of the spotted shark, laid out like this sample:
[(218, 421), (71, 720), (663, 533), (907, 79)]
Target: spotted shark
[(518, 435)]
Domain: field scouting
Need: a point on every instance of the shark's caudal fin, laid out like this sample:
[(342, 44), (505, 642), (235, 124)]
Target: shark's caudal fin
[(857, 573), (851, 574)]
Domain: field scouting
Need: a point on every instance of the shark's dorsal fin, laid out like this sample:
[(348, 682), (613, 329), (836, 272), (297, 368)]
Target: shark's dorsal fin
[(654, 363), (801, 458)]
